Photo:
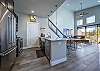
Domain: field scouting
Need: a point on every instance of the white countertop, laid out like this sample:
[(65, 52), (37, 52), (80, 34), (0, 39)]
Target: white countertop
[(62, 39), (57, 39)]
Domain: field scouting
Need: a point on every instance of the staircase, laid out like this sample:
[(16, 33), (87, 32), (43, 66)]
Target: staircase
[(55, 29)]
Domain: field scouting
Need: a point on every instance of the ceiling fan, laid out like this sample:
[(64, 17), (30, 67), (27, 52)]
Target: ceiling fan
[(82, 12)]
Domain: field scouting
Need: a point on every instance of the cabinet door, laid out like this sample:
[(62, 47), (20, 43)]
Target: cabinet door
[(9, 30), (7, 61), (4, 32), (14, 30)]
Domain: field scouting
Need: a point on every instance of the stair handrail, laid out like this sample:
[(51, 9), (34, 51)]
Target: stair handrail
[(56, 27)]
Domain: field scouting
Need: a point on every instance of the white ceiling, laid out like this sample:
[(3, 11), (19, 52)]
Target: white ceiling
[(75, 4), (43, 7)]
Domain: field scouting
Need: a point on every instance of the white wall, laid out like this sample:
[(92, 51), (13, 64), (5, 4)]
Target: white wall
[(65, 18), (43, 24), (22, 27)]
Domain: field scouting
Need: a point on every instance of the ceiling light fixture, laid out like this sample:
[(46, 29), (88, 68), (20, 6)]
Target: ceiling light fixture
[(33, 11), (68, 4), (98, 1), (82, 13), (81, 4)]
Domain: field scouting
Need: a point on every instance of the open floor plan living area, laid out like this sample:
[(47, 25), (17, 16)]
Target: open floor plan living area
[(49, 35)]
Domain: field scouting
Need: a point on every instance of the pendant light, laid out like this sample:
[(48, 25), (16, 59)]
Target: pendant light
[(81, 4), (82, 12)]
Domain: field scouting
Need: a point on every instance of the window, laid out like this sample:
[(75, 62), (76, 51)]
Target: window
[(80, 22), (81, 31), (90, 19), (91, 33)]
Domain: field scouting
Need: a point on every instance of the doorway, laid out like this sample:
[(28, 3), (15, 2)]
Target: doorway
[(98, 33), (32, 34)]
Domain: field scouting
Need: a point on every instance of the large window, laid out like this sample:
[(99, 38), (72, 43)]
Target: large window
[(81, 31), (90, 19), (91, 33), (98, 34), (80, 22)]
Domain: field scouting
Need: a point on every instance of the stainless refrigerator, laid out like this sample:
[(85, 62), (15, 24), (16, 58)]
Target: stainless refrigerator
[(7, 38)]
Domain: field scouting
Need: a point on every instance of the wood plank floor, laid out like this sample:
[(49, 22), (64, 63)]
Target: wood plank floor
[(84, 59)]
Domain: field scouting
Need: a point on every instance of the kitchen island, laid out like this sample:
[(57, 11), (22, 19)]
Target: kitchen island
[(55, 50)]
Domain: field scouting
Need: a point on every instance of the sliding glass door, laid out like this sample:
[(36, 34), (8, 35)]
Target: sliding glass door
[(98, 28), (91, 33)]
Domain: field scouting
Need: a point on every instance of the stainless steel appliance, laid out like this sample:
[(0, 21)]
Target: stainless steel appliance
[(7, 38)]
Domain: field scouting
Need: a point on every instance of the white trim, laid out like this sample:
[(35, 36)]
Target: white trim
[(26, 47), (55, 62), (29, 47)]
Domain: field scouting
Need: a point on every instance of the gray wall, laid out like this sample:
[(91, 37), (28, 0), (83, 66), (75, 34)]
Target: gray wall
[(91, 11), (22, 28)]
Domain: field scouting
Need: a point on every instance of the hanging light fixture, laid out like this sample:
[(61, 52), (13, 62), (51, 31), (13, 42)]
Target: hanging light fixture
[(82, 12), (81, 4)]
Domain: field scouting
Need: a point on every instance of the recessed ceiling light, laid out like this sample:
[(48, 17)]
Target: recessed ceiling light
[(33, 11), (68, 4), (98, 1)]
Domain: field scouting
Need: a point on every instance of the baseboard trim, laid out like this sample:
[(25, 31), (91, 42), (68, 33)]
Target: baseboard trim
[(55, 62), (26, 47)]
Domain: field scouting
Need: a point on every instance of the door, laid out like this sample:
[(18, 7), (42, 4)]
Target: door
[(4, 23), (98, 33), (32, 34), (91, 33)]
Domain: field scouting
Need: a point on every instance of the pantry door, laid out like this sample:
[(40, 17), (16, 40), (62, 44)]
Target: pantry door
[(32, 34)]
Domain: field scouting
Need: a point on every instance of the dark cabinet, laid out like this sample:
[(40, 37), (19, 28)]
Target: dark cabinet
[(7, 38), (9, 4), (8, 32), (7, 61)]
